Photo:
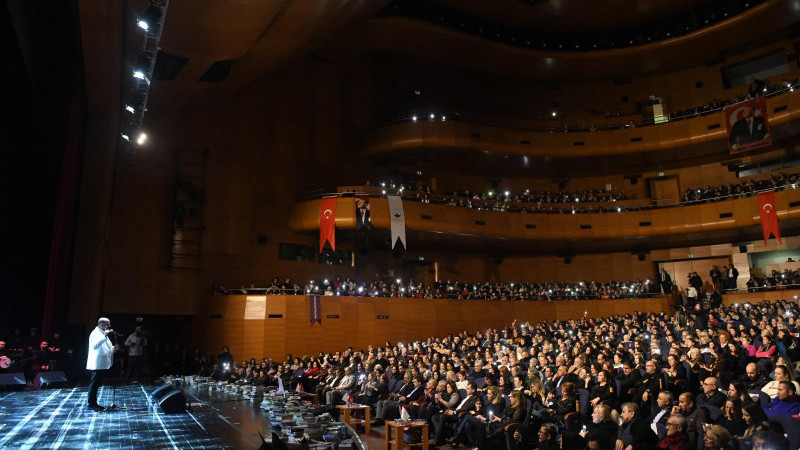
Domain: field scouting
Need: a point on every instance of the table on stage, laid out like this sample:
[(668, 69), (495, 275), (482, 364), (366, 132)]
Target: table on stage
[(349, 413), (397, 429)]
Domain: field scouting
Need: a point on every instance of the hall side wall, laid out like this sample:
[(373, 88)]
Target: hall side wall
[(357, 324)]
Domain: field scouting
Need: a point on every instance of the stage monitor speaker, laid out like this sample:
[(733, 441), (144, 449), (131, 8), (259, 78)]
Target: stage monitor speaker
[(50, 379), (170, 399), (12, 380)]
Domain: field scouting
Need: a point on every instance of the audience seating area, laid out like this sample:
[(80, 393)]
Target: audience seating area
[(723, 374), (578, 202)]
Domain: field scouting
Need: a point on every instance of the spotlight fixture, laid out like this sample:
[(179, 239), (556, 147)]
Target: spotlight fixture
[(142, 138), (141, 70), (149, 17)]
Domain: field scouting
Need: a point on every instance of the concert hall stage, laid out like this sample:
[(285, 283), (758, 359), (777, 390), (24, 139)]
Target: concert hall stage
[(59, 418)]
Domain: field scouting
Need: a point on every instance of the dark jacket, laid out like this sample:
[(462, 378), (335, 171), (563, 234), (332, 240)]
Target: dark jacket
[(638, 434)]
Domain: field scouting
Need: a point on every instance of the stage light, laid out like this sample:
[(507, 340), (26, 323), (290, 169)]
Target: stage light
[(142, 69), (141, 139), (125, 136), (130, 109), (150, 17)]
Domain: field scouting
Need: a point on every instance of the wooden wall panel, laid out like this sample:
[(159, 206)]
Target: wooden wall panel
[(408, 320)]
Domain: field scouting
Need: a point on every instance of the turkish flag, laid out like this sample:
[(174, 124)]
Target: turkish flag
[(769, 215), (327, 219)]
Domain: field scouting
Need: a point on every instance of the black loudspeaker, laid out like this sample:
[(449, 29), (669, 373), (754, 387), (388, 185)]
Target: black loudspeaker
[(641, 256), (742, 249), (14, 380), (50, 379), (170, 399)]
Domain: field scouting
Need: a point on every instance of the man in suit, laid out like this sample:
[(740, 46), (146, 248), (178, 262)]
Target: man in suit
[(634, 432), (733, 274), (660, 414), (666, 282), (101, 354), (749, 129), (385, 408), (451, 415)]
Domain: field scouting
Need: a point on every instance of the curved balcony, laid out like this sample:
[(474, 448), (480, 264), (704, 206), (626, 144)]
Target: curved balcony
[(453, 134), (724, 221)]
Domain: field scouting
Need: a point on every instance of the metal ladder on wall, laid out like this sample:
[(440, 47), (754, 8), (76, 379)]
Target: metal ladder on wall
[(187, 210)]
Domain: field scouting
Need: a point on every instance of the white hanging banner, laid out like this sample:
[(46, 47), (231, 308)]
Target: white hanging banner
[(398, 219)]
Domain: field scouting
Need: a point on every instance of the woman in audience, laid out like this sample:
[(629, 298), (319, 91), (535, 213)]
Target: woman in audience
[(753, 416), (738, 390), (473, 424), (602, 430), (782, 373), (535, 391), (566, 404), (768, 348), (732, 417), (603, 392), (676, 375), (717, 437), (495, 424)]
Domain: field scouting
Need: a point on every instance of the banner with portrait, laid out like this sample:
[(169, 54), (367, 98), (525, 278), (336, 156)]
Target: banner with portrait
[(363, 221), (747, 125)]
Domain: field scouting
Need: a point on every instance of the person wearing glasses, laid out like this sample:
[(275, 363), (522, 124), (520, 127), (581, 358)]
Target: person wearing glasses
[(677, 438)]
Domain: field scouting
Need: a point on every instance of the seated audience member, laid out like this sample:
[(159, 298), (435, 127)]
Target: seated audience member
[(345, 384), (695, 417), (782, 373), (548, 437), (663, 408), (732, 417), (473, 423), (603, 430), (677, 438), (418, 409), (769, 439), (373, 389), (717, 438), (393, 402), (603, 392), (753, 415), (634, 432), (496, 424), (753, 379), (785, 402), (451, 415), (738, 390), (711, 395)]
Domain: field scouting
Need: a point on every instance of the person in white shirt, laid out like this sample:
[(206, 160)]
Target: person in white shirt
[(101, 354)]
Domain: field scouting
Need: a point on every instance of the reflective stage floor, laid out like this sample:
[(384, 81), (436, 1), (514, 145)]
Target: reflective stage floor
[(59, 418)]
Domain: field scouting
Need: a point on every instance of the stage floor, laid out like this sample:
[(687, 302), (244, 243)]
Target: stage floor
[(59, 418)]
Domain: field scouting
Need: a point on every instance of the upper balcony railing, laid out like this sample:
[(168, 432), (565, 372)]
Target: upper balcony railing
[(463, 131)]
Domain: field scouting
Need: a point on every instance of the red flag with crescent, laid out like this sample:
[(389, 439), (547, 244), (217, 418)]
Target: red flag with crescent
[(769, 215), (327, 221)]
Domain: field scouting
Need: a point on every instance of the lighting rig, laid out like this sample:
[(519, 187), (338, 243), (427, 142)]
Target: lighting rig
[(150, 24)]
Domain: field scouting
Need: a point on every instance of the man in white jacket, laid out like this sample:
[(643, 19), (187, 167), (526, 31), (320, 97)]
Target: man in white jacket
[(101, 355)]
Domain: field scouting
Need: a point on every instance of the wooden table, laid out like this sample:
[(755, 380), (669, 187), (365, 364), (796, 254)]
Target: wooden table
[(397, 440), (349, 413)]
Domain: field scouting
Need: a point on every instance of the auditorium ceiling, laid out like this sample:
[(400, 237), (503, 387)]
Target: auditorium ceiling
[(247, 40)]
